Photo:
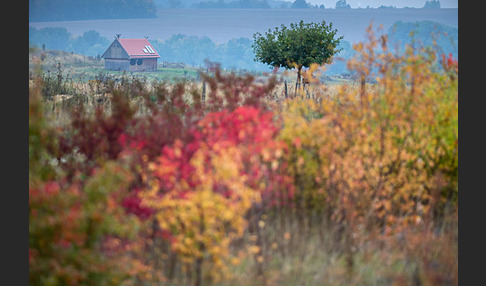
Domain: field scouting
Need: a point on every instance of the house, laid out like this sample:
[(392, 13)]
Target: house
[(130, 55)]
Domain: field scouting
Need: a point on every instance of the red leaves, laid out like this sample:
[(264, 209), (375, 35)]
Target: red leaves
[(84, 212), (132, 204), (450, 65), (244, 125), (249, 129), (450, 62)]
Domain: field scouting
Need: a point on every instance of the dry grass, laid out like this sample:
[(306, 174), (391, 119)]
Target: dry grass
[(318, 257), (287, 248)]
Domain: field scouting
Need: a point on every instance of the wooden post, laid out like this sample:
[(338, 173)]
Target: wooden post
[(204, 91), (286, 94)]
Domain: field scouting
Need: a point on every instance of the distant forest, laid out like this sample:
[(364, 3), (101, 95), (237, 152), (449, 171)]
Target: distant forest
[(238, 53), (60, 10), (267, 4)]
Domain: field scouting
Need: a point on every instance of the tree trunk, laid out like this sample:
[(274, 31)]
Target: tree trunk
[(297, 84)]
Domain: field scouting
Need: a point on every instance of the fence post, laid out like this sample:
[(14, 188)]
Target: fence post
[(286, 94), (204, 91)]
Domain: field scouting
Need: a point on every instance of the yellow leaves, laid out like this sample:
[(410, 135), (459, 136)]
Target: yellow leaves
[(227, 168), (260, 259), (300, 161), (379, 138), (266, 155), (358, 47), (253, 249), (278, 153), (235, 261), (261, 224), (309, 76), (274, 165), (202, 219)]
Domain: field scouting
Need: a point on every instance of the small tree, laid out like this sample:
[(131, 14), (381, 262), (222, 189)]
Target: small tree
[(299, 46)]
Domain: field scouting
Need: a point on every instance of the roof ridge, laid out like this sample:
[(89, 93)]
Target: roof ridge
[(137, 47)]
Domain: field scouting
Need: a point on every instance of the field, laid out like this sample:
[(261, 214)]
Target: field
[(80, 68), (208, 22), (213, 177)]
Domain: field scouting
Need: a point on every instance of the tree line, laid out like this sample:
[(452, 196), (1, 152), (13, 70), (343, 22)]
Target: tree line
[(266, 4), (238, 53), (60, 10)]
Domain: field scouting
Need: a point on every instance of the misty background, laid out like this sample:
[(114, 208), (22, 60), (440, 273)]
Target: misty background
[(192, 35)]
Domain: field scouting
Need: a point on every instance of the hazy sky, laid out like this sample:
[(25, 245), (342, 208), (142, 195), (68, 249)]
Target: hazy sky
[(377, 3)]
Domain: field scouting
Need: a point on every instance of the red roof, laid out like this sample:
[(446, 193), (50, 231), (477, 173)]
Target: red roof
[(137, 48)]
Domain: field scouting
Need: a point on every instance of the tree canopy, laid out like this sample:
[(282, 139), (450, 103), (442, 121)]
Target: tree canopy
[(298, 46)]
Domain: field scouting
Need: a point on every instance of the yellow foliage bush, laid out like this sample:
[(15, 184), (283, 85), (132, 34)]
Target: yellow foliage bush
[(381, 153)]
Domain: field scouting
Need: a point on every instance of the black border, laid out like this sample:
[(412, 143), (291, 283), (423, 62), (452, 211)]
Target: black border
[(471, 145)]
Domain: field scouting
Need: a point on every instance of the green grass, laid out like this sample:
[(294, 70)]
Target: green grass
[(85, 73), (79, 68)]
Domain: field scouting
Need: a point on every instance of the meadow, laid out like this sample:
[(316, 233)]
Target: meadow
[(223, 178)]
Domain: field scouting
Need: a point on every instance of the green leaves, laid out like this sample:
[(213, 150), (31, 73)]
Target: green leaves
[(302, 44)]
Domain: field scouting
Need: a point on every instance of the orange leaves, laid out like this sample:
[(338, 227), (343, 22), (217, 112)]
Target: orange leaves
[(372, 147), (232, 163), (186, 181)]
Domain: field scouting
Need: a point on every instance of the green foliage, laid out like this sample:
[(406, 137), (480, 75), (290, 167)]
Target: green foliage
[(76, 232), (42, 137), (300, 45)]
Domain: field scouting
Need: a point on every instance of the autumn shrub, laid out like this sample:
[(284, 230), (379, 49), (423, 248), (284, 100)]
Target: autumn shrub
[(202, 190), (132, 130), (79, 234), (378, 158), (183, 183)]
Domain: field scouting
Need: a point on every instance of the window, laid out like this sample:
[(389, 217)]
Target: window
[(139, 61), (133, 61)]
